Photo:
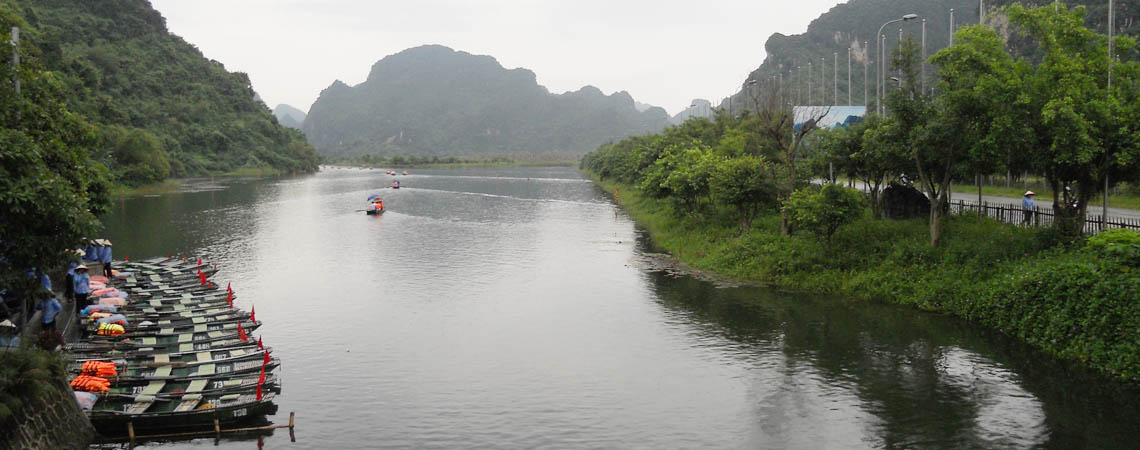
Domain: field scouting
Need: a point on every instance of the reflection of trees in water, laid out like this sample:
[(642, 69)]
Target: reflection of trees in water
[(900, 377)]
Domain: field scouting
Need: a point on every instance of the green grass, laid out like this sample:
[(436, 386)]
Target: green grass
[(1074, 302)]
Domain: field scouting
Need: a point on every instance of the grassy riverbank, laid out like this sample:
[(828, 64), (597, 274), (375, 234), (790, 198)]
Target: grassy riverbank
[(1077, 302)]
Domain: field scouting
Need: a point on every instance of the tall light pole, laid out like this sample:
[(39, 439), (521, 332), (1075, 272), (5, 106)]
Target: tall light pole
[(809, 83), (835, 78), (822, 81), (923, 64), (866, 75), (848, 76), (879, 100), (1111, 19)]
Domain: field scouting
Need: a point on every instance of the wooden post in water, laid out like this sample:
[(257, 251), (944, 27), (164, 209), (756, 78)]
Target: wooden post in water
[(131, 430)]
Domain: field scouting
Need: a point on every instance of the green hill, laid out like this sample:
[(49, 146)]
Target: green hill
[(852, 25), (433, 100), (161, 107)]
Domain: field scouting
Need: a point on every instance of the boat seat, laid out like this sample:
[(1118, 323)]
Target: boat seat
[(188, 402), (185, 348), (184, 338), (149, 341), (198, 319), (164, 322), (197, 385), (154, 387), (179, 308), (142, 402), (215, 334), (161, 358), (155, 303), (231, 383), (166, 331), (150, 310), (200, 328), (205, 357), (186, 314), (237, 352), (206, 369), (163, 371), (229, 397)]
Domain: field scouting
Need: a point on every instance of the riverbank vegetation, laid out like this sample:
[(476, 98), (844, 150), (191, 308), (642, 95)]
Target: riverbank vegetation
[(732, 194)]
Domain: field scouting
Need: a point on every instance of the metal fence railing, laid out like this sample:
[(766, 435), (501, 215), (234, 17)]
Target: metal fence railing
[(1043, 217)]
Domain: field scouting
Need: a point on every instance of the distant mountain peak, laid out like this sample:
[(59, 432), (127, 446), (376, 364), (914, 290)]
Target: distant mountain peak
[(432, 99)]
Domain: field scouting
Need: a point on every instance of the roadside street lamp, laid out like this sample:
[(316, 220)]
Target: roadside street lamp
[(882, 63)]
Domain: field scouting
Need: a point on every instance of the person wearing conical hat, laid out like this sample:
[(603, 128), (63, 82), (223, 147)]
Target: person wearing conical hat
[(105, 258), (82, 288), (8, 334), (1028, 206)]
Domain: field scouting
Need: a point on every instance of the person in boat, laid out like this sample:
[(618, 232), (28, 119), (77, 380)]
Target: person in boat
[(396, 184), (377, 204)]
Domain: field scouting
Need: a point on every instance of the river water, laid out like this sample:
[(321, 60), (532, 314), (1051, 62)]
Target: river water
[(513, 308)]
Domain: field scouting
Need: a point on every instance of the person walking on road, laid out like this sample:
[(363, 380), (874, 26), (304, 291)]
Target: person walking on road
[(1028, 206)]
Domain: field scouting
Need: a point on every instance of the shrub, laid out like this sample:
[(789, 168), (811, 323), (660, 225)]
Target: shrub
[(823, 211)]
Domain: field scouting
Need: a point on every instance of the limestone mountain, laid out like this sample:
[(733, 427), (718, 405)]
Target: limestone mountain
[(806, 63), (432, 100), (162, 108), (289, 116)]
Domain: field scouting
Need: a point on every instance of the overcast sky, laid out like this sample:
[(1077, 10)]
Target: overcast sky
[(664, 52)]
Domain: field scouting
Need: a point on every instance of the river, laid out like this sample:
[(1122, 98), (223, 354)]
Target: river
[(513, 308)]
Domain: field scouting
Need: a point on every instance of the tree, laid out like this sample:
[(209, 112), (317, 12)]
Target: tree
[(978, 117), (869, 152), (50, 188), (744, 184), (784, 130), (1085, 130), (823, 210)]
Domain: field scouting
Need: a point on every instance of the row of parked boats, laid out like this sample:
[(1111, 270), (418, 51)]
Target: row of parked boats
[(168, 349)]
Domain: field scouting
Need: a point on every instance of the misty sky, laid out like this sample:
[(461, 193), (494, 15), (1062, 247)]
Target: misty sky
[(664, 52)]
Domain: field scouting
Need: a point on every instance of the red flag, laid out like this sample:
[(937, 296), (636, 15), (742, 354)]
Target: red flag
[(265, 360), (241, 333), (259, 343), (261, 378), (253, 313), (230, 298), (202, 276), (183, 257), (228, 288), (126, 257), (199, 261), (169, 255), (259, 391)]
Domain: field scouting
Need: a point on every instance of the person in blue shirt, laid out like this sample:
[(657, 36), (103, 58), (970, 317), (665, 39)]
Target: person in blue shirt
[(82, 287), (1028, 206), (105, 258), (69, 284), (50, 306), (8, 334), (91, 253)]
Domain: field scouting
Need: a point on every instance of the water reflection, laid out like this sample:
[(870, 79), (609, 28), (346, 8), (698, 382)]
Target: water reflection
[(502, 308)]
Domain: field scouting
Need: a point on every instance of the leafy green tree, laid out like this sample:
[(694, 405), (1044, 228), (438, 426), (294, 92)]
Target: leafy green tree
[(743, 183), (50, 188), (977, 118), (823, 210), (1085, 130), (868, 152)]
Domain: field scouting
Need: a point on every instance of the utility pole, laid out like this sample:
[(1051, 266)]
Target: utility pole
[(16, 66), (835, 78), (923, 64), (1104, 206), (823, 81), (848, 76), (951, 26), (866, 76), (809, 83), (899, 43), (882, 73)]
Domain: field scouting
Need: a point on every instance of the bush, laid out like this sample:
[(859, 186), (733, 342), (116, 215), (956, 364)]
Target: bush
[(823, 211), (1119, 245), (25, 374)]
